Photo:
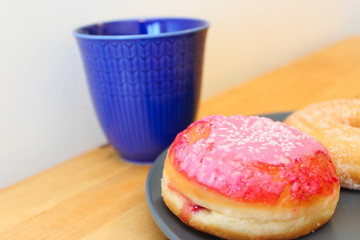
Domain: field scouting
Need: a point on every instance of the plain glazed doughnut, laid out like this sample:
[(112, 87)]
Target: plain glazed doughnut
[(336, 124), (249, 178)]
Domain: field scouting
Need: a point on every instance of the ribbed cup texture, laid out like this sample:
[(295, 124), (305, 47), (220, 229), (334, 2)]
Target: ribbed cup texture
[(144, 91)]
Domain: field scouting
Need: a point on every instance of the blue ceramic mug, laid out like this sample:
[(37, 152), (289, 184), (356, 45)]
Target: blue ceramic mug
[(144, 77)]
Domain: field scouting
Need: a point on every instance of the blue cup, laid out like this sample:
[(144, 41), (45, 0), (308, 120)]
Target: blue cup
[(144, 77)]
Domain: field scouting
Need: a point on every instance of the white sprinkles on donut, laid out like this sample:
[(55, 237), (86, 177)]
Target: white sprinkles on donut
[(225, 160)]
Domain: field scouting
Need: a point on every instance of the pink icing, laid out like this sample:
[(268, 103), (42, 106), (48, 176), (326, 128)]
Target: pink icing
[(252, 158)]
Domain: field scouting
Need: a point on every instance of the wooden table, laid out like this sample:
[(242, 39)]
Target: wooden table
[(99, 196)]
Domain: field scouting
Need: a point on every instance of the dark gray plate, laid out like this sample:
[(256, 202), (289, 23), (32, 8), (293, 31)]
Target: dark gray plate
[(344, 225)]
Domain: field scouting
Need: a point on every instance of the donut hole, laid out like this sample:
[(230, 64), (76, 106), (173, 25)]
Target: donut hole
[(354, 122)]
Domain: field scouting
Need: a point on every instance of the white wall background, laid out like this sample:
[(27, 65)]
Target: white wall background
[(45, 112)]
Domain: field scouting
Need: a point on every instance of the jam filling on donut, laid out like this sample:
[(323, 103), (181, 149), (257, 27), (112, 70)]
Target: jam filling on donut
[(253, 159), (188, 207)]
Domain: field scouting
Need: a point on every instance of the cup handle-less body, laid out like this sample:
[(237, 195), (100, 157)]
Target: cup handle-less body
[(144, 90)]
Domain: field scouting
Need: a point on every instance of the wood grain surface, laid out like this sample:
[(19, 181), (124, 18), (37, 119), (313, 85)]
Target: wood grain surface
[(99, 196)]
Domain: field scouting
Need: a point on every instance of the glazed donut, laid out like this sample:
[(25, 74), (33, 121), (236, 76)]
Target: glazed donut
[(242, 177), (336, 124)]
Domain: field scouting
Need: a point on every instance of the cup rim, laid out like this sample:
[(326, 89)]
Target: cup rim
[(77, 34)]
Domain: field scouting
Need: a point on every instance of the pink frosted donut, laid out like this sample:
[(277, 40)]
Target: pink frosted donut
[(249, 178)]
